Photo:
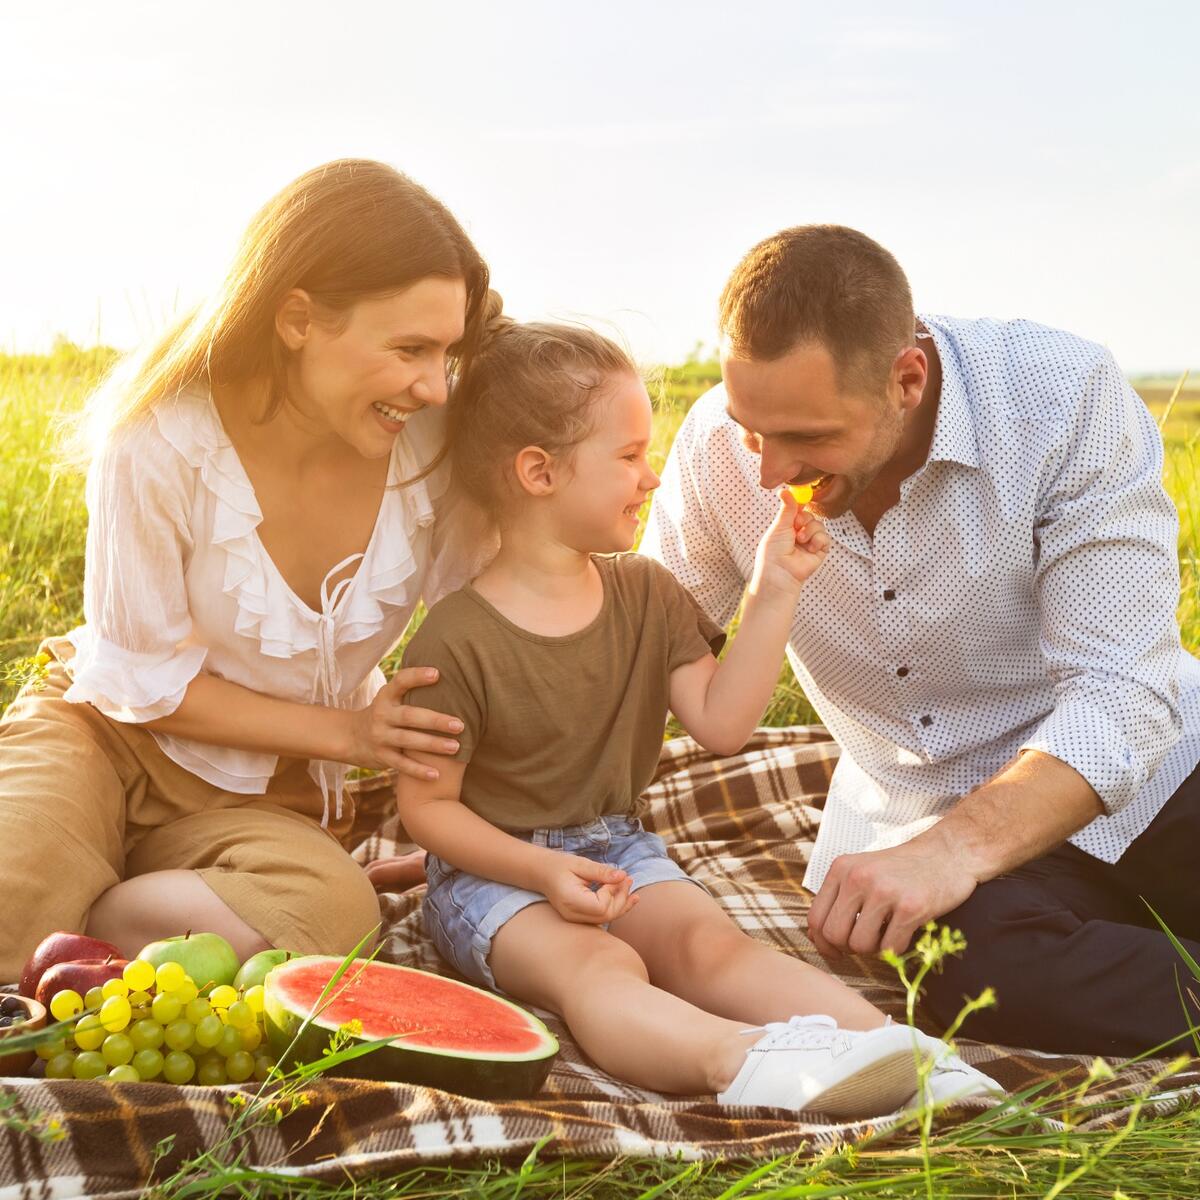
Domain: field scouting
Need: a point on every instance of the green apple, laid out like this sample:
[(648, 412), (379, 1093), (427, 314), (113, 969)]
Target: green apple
[(207, 957), (254, 970)]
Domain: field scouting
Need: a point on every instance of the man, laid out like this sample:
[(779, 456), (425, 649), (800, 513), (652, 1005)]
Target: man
[(992, 639)]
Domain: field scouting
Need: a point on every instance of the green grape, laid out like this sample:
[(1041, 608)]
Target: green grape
[(124, 1073), (139, 974), (211, 1072), (117, 1049), (169, 977), (113, 988), (146, 1035), (94, 997), (241, 1015), (179, 1035), (148, 1063), (178, 1067), (187, 991), (254, 997), (197, 1010), (48, 1050), (66, 1004), (251, 1038), (115, 1013), (230, 1043), (239, 1066), (264, 1064), (208, 1031), (222, 996), (89, 1033), (89, 1065), (61, 1066), (165, 1008)]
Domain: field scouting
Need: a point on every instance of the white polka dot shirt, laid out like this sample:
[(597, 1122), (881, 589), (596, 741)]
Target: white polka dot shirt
[(1021, 593)]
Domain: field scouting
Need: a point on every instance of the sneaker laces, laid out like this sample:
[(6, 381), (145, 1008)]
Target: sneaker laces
[(797, 1032)]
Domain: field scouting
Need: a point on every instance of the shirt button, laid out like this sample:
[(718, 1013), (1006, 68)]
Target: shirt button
[(902, 671), (889, 594), (926, 720)]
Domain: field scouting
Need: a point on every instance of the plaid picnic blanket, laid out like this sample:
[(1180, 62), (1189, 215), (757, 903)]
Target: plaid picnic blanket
[(743, 825)]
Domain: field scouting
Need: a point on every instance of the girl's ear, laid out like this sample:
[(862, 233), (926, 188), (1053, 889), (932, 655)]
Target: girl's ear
[(535, 471), (294, 318)]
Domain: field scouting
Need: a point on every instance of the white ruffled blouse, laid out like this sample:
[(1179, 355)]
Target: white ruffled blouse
[(177, 581)]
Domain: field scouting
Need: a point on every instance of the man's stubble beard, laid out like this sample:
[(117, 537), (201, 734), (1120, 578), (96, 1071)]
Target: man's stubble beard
[(877, 455)]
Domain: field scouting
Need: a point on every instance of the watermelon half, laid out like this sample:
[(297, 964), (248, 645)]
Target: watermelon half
[(446, 1034)]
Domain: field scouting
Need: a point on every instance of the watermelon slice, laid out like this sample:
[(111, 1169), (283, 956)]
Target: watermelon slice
[(447, 1034)]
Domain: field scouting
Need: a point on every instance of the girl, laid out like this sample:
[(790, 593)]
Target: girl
[(260, 509), (562, 659)]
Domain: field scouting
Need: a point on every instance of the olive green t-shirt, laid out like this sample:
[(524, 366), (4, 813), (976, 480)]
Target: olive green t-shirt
[(561, 730)]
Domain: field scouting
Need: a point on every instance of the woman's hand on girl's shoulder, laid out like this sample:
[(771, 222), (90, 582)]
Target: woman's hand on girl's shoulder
[(567, 885), (382, 733)]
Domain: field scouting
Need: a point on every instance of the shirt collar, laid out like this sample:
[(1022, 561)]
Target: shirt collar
[(954, 429)]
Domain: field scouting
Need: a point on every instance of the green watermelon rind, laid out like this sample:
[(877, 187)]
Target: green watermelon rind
[(484, 1076)]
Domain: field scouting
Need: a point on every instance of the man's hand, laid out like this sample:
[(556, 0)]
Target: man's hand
[(877, 900), (566, 883)]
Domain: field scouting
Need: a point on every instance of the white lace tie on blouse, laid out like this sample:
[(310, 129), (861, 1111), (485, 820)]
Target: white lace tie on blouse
[(177, 579), (327, 681)]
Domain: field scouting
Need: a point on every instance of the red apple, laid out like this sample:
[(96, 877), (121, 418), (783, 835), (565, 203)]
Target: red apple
[(62, 946), (79, 976)]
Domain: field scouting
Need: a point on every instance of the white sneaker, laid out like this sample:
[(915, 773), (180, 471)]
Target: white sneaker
[(809, 1063), (951, 1079)]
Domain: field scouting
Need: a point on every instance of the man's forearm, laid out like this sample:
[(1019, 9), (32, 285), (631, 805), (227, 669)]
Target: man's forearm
[(1033, 805), (226, 714)]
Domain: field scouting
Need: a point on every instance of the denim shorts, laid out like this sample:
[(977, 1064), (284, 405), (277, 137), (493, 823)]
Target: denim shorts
[(463, 912)]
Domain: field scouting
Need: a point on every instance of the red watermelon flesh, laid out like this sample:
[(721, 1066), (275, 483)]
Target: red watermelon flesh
[(427, 1009), (449, 1034)]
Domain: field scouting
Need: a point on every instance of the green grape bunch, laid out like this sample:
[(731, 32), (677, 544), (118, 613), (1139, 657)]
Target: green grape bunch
[(152, 1024)]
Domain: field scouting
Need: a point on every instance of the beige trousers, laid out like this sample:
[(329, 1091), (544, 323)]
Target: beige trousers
[(86, 801)]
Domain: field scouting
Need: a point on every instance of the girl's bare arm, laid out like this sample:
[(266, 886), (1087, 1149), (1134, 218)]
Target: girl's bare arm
[(720, 704)]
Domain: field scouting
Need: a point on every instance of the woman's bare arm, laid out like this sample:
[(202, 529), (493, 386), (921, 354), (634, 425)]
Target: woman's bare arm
[(225, 714)]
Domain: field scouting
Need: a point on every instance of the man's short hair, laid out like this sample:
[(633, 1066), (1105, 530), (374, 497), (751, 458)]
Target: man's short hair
[(822, 284)]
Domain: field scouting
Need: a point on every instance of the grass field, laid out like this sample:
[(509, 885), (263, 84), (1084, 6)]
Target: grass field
[(42, 524)]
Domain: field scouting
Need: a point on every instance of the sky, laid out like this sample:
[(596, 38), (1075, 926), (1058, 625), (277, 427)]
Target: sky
[(614, 161)]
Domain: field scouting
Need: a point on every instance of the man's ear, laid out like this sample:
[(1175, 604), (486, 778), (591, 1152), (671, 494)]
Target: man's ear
[(536, 471), (910, 370), (294, 318)]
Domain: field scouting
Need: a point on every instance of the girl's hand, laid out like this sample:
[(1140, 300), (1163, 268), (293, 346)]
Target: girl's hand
[(397, 874), (791, 550), (382, 732), (566, 885)]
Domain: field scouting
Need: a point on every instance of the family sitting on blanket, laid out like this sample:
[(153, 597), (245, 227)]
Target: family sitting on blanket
[(990, 636), (562, 659)]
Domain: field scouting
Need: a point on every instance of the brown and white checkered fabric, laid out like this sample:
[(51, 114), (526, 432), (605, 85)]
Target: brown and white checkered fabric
[(742, 825)]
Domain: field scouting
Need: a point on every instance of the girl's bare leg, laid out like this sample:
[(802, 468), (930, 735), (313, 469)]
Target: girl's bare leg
[(625, 1024), (165, 903), (692, 949)]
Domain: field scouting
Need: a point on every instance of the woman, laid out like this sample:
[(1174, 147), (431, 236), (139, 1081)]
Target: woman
[(261, 496)]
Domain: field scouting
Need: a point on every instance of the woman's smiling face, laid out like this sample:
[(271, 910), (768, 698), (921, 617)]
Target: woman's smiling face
[(383, 361)]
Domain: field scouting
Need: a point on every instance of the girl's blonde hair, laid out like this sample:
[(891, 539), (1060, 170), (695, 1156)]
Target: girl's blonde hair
[(342, 232), (531, 384)]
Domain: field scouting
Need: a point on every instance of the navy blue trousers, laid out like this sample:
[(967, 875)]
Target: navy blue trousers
[(1078, 963)]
